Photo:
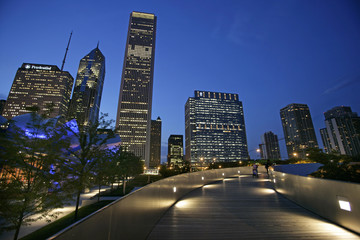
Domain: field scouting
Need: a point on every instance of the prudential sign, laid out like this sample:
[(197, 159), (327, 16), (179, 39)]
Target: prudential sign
[(37, 67)]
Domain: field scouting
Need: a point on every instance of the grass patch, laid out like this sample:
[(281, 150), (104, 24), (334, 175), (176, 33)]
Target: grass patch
[(138, 181), (61, 223)]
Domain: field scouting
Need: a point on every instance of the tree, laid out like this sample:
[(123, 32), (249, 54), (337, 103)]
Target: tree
[(103, 169), (126, 164), (335, 166), (166, 172), (28, 180), (83, 155)]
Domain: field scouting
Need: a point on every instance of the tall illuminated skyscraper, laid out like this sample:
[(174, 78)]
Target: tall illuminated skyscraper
[(214, 128), (135, 98), (85, 102), (342, 133), (39, 85), (298, 129)]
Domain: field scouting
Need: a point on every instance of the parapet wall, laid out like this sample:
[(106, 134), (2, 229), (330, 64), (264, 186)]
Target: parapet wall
[(322, 197), (135, 215)]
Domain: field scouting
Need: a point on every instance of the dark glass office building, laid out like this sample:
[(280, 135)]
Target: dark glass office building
[(298, 129), (342, 131), (155, 143), (85, 102), (270, 146), (214, 128), (39, 85), (135, 99), (175, 157)]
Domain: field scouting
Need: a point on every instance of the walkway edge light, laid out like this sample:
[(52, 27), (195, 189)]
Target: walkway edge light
[(344, 203)]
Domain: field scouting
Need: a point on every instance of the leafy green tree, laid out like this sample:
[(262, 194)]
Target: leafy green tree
[(103, 169), (84, 153), (126, 164), (166, 172), (29, 156), (335, 166)]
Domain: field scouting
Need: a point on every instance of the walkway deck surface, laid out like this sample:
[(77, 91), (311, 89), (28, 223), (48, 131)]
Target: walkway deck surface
[(243, 208)]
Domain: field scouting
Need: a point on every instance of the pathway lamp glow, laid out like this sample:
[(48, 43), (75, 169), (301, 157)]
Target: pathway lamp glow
[(344, 203)]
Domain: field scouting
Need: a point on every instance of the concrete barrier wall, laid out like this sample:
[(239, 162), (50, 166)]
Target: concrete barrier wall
[(322, 197), (135, 215)]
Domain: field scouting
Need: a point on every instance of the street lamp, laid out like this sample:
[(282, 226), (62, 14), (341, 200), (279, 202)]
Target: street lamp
[(201, 162), (258, 151)]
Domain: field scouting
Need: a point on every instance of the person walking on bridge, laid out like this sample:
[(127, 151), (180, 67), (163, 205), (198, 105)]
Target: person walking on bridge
[(255, 170), (267, 165)]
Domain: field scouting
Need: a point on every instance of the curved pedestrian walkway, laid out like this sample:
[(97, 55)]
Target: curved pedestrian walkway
[(243, 208)]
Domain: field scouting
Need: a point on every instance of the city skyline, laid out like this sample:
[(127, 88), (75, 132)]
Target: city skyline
[(271, 53)]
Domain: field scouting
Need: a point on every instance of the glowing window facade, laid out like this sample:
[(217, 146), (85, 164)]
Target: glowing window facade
[(298, 129), (39, 85), (342, 132), (214, 128), (175, 157), (135, 99)]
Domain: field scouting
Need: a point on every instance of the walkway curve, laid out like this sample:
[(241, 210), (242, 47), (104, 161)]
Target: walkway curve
[(243, 208)]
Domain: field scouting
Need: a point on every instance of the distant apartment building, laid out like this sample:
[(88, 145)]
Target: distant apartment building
[(135, 99), (214, 128), (342, 132), (325, 140), (175, 157), (85, 102), (298, 129), (270, 146), (39, 85), (155, 143)]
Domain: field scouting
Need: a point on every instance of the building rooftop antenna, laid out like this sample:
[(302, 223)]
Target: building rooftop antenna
[(67, 48)]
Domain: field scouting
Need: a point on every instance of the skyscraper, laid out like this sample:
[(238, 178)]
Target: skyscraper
[(214, 128), (298, 129), (135, 98), (326, 140), (155, 143), (343, 135), (40, 85), (175, 157), (270, 146), (85, 102)]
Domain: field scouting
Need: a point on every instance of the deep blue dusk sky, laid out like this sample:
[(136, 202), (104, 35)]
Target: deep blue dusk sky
[(272, 53)]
